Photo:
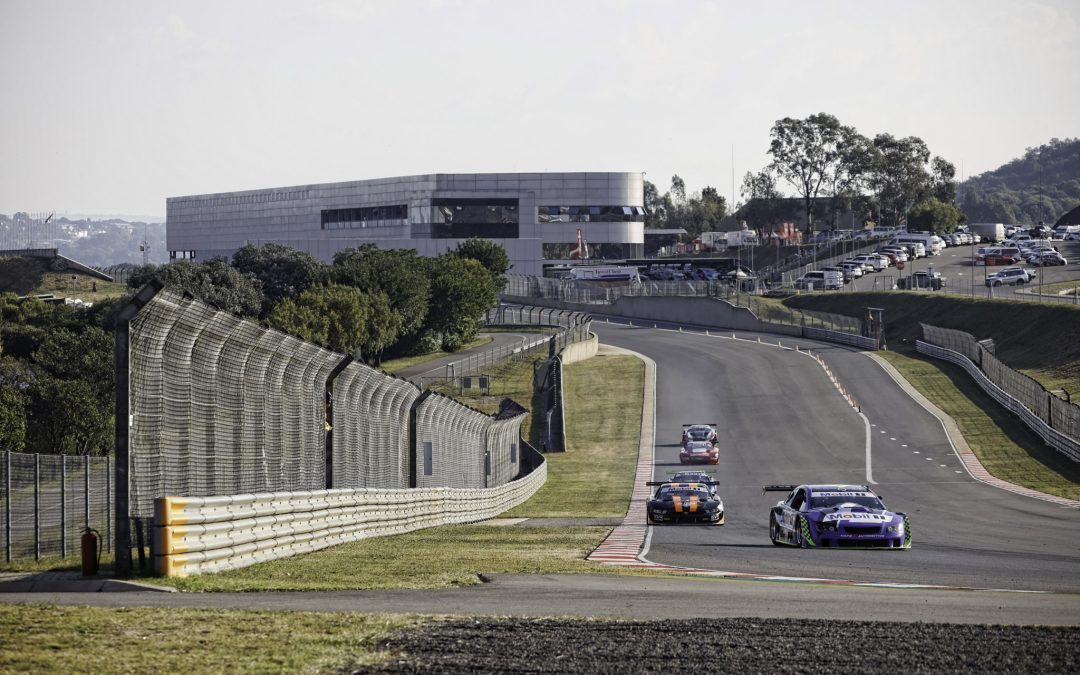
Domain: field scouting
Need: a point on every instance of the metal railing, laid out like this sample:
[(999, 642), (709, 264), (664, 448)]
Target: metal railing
[(1057, 413), (48, 501)]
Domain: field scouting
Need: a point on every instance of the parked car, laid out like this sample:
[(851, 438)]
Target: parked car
[(1010, 276), (820, 280), (1048, 258), (921, 280), (853, 269), (845, 272)]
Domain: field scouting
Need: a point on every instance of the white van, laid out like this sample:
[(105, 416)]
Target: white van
[(933, 243), (821, 280)]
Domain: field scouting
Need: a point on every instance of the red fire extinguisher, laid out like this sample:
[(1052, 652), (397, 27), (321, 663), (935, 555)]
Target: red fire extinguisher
[(91, 552)]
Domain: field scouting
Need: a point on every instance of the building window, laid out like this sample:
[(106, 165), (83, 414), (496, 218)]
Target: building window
[(462, 218), (586, 214), (365, 216)]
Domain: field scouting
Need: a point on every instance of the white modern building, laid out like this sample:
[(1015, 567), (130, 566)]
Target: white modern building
[(535, 216)]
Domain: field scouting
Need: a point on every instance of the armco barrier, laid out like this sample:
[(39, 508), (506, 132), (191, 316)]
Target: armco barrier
[(208, 534), (842, 338), (1053, 437)]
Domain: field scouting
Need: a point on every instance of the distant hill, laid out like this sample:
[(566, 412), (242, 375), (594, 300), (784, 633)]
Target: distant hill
[(98, 243), (1041, 186)]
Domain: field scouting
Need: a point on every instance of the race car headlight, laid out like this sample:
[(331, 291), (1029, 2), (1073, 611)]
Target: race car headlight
[(827, 525), (899, 527)]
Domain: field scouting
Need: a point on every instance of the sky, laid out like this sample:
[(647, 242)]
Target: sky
[(110, 107)]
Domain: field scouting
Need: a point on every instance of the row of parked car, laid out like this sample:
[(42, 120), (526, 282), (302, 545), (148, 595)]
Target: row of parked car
[(834, 277), (1038, 252)]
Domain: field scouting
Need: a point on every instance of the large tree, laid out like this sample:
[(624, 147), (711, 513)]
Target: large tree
[(900, 176), (284, 271), (816, 156), (932, 215), (400, 274), (489, 254), (215, 282), (333, 316), (462, 292)]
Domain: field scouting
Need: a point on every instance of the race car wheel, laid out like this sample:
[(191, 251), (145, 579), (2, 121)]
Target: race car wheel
[(800, 539), (774, 530)]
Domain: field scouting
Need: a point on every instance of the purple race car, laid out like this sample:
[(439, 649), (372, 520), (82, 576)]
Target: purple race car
[(835, 516)]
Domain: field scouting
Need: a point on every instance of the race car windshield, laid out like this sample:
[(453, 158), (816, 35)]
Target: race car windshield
[(836, 500), (698, 434)]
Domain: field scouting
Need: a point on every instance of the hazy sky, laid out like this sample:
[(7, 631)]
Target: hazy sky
[(112, 106)]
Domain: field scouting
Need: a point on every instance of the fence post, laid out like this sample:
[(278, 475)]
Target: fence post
[(108, 503), (7, 506), (37, 507), (86, 488), (63, 506)]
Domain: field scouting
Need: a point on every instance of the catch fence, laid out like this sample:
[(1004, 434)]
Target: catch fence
[(48, 501), (1056, 412)]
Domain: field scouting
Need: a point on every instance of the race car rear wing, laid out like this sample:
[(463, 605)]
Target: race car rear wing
[(682, 482), (702, 424), (777, 488)]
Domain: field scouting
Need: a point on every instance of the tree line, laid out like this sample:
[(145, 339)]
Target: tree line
[(57, 389), (832, 169), (1039, 187)]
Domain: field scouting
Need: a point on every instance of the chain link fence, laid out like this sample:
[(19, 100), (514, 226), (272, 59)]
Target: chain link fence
[(47, 501), (1057, 413), (219, 405)]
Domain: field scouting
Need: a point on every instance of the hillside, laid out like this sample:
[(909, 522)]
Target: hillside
[(1039, 339), (1040, 186)]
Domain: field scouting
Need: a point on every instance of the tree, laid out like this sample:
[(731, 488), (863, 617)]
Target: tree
[(215, 282), (332, 316), (489, 254), (383, 327), (655, 211), (284, 271), (814, 156), (678, 190), (66, 417), (900, 177), (461, 290), (86, 356), (932, 215), (943, 180), (400, 274), (15, 378)]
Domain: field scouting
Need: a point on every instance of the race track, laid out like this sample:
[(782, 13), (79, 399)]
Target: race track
[(781, 420)]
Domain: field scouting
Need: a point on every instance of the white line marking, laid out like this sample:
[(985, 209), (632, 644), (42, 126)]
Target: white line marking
[(869, 438)]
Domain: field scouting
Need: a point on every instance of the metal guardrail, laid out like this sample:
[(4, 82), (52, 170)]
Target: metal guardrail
[(210, 534), (1053, 437)]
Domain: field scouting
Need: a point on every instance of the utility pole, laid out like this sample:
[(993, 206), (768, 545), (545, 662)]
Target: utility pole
[(145, 247)]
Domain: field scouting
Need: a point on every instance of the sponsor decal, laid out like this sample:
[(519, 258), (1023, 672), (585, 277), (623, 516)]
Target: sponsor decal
[(861, 517)]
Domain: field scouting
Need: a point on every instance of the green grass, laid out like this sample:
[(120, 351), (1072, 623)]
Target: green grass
[(437, 557), (603, 397), (1006, 447), (53, 639), (396, 365), (86, 288), (1073, 288)]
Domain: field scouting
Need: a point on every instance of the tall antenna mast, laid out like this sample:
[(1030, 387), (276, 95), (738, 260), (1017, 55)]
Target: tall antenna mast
[(145, 247)]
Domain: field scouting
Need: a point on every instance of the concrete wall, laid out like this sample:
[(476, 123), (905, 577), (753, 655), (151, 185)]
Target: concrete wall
[(579, 351), (705, 312)]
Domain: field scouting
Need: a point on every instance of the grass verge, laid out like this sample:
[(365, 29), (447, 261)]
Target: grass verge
[(603, 397), (54, 639), (1006, 447), (395, 365)]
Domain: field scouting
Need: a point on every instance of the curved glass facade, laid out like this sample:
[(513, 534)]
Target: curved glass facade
[(590, 214)]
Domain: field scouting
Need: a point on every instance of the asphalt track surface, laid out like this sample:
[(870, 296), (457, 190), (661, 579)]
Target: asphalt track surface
[(782, 421)]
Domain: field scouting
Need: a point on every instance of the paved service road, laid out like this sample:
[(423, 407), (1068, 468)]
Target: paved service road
[(782, 421)]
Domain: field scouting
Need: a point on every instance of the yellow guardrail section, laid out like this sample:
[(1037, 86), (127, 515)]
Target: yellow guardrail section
[(194, 535)]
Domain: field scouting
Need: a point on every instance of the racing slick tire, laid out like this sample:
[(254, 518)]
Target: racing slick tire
[(800, 540), (774, 530)]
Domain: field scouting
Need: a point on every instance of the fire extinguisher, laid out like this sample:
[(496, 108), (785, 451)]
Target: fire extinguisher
[(91, 552)]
